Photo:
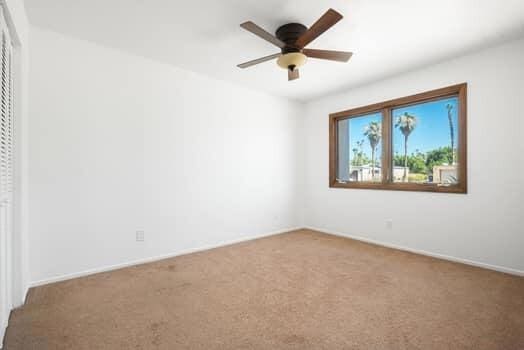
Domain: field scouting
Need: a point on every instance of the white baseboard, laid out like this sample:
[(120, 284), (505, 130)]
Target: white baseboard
[(155, 258), (422, 252), (3, 328), (5, 319), (248, 238), (24, 296)]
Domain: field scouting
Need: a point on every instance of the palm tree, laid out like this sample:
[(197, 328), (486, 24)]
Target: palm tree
[(406, 124), (374, 132), (359, 144), (358, 154), (451, 132), (355, 156)]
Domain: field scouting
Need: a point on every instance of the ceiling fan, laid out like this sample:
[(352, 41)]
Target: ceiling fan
[(292, 38)]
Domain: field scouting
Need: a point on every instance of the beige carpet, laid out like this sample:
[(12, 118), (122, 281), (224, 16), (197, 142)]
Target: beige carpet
[(300, 290)]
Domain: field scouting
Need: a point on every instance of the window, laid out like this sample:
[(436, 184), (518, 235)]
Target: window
[(360, 137), (414, 143)]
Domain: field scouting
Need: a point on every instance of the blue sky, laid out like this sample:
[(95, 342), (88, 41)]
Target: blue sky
[(432, 130)]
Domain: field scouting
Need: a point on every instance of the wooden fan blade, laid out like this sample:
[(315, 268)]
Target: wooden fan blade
[(258, 60), (292, 74), (253, 28), (340, 56), (328, 20)]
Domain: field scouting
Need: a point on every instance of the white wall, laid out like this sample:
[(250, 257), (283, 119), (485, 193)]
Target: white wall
[(487, 224), (120, 143)]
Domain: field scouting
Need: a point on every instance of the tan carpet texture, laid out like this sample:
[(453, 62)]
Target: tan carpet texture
[(299, 290)]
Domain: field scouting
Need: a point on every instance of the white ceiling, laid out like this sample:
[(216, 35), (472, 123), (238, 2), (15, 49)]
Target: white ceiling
[(387, 37)]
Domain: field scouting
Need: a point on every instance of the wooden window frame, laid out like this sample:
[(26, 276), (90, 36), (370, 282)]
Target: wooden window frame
[(459, 91)]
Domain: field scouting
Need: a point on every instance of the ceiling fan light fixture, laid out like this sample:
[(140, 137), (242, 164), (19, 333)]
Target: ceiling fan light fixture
[(292, 59), (292, 39)]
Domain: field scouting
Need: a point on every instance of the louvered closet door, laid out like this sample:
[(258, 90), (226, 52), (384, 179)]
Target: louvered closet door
[(6, 169)]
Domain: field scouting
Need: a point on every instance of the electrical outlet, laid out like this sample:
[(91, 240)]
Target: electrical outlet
[(139, 236), (389, 224)]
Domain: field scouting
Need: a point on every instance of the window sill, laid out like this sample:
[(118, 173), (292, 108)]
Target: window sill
[(459, 188)]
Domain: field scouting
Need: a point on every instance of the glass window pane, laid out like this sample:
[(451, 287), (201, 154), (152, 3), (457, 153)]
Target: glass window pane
[(360, 148), (425, 140)]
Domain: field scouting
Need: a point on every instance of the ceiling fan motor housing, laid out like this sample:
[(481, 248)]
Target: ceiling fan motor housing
[(289, 33)]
